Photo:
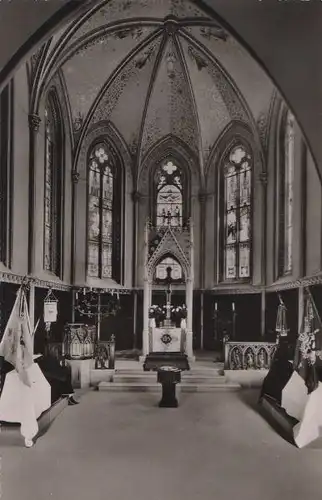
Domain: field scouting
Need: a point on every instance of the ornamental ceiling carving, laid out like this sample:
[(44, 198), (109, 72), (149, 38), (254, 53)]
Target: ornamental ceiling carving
[(155, 68)]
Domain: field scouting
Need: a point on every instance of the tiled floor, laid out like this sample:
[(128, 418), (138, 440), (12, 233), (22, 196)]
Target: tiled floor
[(123, 447)]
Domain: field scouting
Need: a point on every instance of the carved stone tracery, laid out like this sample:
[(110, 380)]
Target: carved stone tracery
[(34, 122), (168, 244)]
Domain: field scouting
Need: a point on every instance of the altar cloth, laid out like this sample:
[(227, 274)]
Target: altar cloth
[(166, 339), (22, 404), (310, 427), (306, 408)]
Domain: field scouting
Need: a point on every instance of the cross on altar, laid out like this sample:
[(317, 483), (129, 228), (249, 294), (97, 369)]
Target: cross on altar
[(168, 309), (168, 293)]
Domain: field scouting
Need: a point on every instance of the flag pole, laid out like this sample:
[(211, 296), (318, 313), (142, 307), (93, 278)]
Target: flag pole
[(314, 306)]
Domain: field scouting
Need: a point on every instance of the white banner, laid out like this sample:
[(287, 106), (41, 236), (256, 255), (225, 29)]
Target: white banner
[(50, 311)]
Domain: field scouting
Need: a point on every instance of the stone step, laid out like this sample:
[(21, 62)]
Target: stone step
[(211, 387), (191, 378), (157, 388), (129, 387), (195, 371)]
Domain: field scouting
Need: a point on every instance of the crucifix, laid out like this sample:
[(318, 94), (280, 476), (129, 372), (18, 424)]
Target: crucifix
[(168, 293)]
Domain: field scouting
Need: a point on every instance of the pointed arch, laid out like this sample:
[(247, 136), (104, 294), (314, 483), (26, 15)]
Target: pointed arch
[(284, 190), (165, 252), (169, 145), (104, 210), (235, 193), (169, 245), (162, 265), (118, 227), (54, 166), (175, 186), (238, 209)]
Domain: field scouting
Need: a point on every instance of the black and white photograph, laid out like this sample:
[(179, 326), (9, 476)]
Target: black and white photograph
[(160, 249)]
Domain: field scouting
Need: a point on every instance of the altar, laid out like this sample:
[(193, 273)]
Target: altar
[(167, 339), (167, 323)]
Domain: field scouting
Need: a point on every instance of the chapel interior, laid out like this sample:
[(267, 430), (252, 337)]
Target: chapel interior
[(153, 174)]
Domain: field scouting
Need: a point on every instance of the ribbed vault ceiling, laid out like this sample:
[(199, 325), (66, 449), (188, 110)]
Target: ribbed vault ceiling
[(155, 68)]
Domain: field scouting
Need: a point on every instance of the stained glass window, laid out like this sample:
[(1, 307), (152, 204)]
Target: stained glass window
[(286, 196), (101, 183), (169, 195), (53, 186), (5, 173), (237, 184), (161, 269)]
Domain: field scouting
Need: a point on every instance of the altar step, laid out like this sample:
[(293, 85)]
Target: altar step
[(204, 371), (196, 380), (185, 379), (156, 388)]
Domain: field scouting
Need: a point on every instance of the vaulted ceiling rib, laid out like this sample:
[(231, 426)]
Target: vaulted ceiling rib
[(157, 68)]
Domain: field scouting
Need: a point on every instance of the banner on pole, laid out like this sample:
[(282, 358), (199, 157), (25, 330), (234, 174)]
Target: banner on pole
[(50, 311)]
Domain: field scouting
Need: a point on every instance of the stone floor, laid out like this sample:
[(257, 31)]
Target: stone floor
[(121, 446)]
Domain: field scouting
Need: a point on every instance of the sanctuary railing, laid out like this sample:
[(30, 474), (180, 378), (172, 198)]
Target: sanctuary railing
[(79, 341), (248, 355)]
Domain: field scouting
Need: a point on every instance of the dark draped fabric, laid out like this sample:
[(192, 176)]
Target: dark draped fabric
[(5, 368), (59, 377), (279, 374)]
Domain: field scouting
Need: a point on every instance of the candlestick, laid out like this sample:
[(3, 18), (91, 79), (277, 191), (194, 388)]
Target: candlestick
[(233, 306)]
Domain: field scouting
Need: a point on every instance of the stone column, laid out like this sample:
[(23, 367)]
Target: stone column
[(136, 196), (34, 122), (135, 311), (146, 294), (202, 202), (189, 301), (150, 294), (263, 313), (201, 320), (73, 305), (146, 299), (31, 306), (300, 307), (263, 178), (75, 179)]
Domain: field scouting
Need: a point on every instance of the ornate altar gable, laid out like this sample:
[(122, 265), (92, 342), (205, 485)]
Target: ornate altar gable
[(169, 240)]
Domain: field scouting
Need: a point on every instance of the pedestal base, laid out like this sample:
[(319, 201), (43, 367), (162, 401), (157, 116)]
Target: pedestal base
[(169, 399)]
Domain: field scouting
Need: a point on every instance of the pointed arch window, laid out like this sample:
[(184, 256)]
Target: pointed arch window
[(53, 189), (104, 212), (236, 218), (6, 172), (170, 201), (162, 269), (286, 178)]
